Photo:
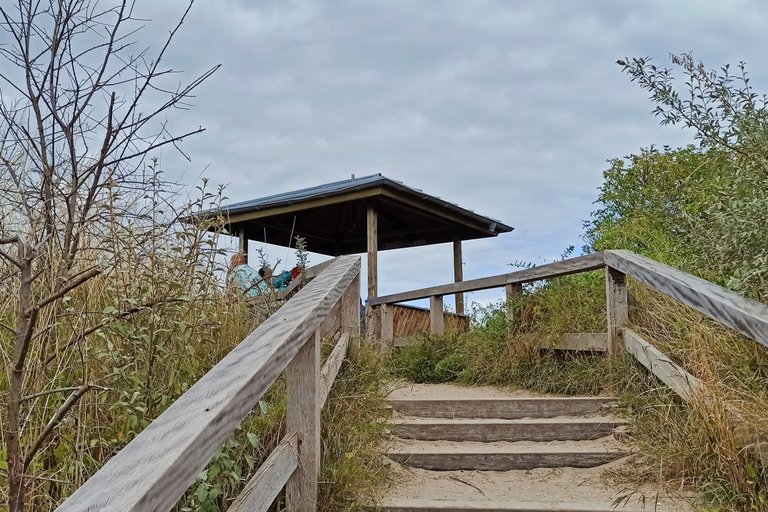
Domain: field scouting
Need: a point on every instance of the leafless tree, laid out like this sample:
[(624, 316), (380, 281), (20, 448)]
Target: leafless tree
[(81, 107)]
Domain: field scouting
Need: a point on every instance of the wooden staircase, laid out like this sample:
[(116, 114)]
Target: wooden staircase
[(484, 450)]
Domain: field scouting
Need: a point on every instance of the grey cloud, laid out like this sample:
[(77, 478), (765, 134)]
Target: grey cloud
[(507, 108)]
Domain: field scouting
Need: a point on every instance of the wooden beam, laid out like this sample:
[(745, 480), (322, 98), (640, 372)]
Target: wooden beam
[(155, 469), (458, 275), (439, 211), (436, 315), (746, 316), (617, 307), (261, 490), (243, 244), (301, 205), (332, 366), (529, 275), (668, 372), (302, 416), (373, 248)]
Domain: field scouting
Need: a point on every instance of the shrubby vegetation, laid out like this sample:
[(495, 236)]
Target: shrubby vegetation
[(110, 307), (701, 208)]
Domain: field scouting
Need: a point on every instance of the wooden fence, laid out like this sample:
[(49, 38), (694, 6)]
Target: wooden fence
[(746, 316), (155, 469)]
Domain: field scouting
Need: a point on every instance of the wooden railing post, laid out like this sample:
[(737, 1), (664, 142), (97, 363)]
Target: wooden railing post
[(350, 312), (617, 305), (387, 326), (302, 383), (514, 292), (436, 316)]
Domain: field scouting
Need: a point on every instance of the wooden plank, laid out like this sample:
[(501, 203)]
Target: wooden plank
[(411, 320), (581, 341), (574, 454), (548, 271), (373, 248), (617, 307), (387, 326), (153, 471), (458, 275), (262, 489), (667, 371), (502, 408), (302, 416), (436, 315), (493, 430), (332, 366), (746, 316)]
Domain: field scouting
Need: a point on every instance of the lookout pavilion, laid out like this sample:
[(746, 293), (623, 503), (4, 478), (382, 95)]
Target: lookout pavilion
[(358, 215)]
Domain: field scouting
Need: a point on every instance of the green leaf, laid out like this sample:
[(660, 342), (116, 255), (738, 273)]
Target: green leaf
[(253, 439)]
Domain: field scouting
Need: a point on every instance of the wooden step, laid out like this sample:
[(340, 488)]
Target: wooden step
[(502, 408), (426, 505), (536, 490), (505, 456), (487, 430)]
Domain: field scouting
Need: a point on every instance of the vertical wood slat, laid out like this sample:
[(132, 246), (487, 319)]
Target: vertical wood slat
[(458, 275), (436, 316), (514, 292), (302, 383), (617, 307), (373, 248)]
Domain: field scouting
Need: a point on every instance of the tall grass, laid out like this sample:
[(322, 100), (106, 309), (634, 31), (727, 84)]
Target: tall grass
[(156, 320)]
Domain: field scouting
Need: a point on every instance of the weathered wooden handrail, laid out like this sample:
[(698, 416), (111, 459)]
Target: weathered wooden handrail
[(529, 275), (155, 469), (744, 315)]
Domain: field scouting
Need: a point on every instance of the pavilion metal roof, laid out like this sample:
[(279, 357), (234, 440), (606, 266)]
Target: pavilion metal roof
[(332, 217)]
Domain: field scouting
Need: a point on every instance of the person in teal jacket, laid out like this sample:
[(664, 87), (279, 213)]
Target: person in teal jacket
[(279, 282), (254, 283)]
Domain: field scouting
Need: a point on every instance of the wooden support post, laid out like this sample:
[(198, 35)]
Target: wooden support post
[(302, 385), (243, 244), (373, 248), (387, 326), (458, 275), (617, 305), (436, 316), (514, 293), (350, 312)]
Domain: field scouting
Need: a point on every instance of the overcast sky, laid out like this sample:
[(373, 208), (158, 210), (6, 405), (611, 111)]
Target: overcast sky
[(507, 108)]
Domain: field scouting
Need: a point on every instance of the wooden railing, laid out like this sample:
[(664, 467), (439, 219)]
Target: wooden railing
[(746, 316), (155, 469)]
